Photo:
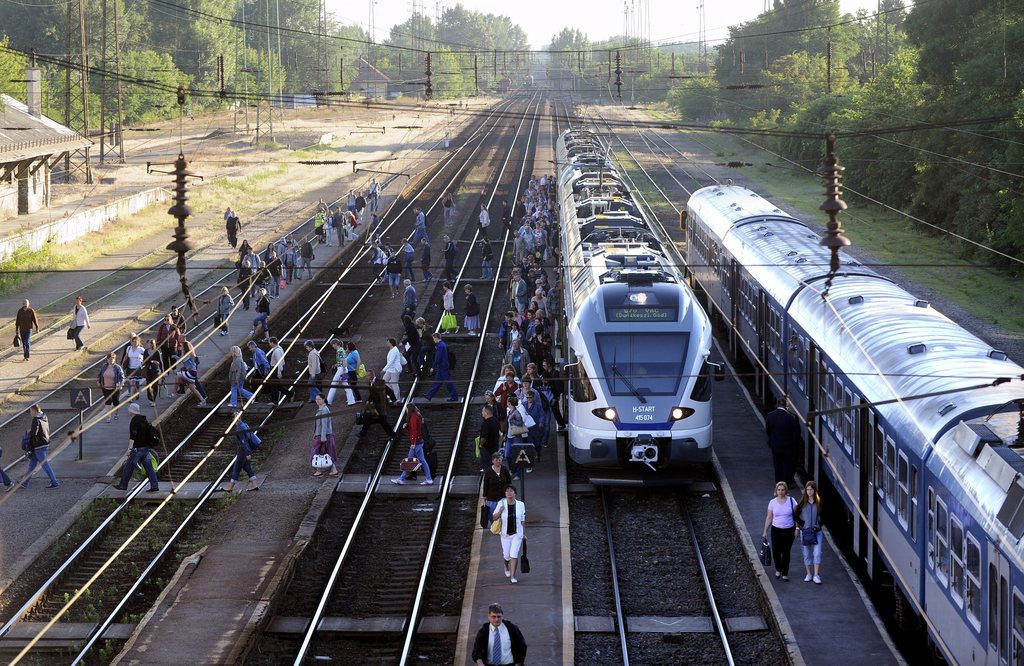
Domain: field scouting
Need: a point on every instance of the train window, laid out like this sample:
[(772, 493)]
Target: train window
[(837, 403), (1018, 628), (878, 444), (903, 499), (993, 606), (890, 473), (798, 363), (847, 420), (973, 571), (913, 502), (642, 363), (931, 528), (956, 560), (941, 539)]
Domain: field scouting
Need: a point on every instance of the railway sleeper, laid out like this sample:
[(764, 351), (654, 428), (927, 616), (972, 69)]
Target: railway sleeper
[(654, 624)]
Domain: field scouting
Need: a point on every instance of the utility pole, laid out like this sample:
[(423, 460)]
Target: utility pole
[(111, 110), (76, 89)]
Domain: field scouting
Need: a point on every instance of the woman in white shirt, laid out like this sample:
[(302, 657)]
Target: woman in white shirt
[(393, 368), (781, 519), (512, 513), (80, 320)]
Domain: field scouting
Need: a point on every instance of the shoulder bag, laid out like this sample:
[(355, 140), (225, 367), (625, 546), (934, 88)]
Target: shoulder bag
[(71, 333), (766, 553), (361, 371), (496, 527), (322, 459), (524, 561)]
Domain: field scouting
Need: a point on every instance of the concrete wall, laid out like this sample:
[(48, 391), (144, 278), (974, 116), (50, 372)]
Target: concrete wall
[(80, 223), (33, 178), (8, 198)]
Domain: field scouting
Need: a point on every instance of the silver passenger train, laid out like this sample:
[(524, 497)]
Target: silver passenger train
[(637, 340), (919, 418)]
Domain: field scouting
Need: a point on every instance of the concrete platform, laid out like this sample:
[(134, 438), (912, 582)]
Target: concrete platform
[(841, 619)]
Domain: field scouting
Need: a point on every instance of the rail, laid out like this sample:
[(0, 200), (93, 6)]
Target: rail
[(620, 618), (715, 616)]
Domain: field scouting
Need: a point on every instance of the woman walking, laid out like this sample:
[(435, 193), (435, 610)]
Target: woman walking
[(225, 304), (323, 436), (352, 362), (512, 513), (262, 315), (111, 379), (153, 367), (412, 340), (247, 441), (781, 519), (236, 376), (808, 514), (392, 370), (415, 428), (472, 320), (80, 320)]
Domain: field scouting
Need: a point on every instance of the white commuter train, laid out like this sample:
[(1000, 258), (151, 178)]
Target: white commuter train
[(637, 341)]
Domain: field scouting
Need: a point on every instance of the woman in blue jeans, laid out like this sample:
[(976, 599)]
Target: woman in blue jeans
[(236, 376), (415, 427), (808, 513)]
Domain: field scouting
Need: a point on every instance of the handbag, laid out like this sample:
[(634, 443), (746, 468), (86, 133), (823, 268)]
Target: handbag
[(496, 527), (71, 333), (485, 515), (361, 371), (322, 459), (524, 561), (766, 553), (410, 465), (17, 341), (809, 536), (449, 322), (515, 431), (282, 283)]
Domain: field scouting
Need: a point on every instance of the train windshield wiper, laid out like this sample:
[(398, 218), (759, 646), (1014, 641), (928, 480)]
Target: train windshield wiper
[(629, 384)]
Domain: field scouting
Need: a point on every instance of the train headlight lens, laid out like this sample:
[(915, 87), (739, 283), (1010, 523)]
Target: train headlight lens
[(606, 413), (680, 413)]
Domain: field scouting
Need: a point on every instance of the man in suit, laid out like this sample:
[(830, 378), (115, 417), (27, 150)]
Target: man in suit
[(498, 642), (783, 431)]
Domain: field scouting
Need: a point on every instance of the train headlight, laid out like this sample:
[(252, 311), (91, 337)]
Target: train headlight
[(679, 413), (606, 413)]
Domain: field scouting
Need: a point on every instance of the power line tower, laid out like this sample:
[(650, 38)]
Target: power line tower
[(111, 112), (702, 39), (76, 90)]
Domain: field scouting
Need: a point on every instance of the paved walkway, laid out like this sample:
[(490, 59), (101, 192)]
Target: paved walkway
[(833, 614)]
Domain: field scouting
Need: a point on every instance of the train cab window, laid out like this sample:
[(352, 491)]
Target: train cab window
[(579, 383), (941, 541), (931, 528), (890, 473), (973, 581), (956, 560)]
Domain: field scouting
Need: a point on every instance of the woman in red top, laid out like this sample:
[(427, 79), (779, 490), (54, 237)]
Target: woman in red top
[(415, 426)]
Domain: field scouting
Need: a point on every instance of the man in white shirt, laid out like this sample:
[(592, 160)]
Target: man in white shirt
[(498, 642)]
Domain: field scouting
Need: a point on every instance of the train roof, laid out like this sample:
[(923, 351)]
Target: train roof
[(888, 343)]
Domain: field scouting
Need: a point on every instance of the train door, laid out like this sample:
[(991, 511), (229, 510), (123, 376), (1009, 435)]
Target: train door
[(871, 440), (813, 461), (733, 289), (762, 343), (998, 609)]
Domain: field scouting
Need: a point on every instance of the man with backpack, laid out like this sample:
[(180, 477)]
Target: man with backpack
[(142, 436)]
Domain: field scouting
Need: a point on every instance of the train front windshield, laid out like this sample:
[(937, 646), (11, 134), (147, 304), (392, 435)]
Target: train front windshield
[(643, 363)]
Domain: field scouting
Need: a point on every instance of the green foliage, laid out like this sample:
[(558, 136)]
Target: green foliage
[(143, 103)]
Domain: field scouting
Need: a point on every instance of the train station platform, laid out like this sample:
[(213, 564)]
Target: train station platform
[(832, 624), (540, 604)]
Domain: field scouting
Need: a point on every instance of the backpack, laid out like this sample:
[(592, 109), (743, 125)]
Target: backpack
[(154, 435)]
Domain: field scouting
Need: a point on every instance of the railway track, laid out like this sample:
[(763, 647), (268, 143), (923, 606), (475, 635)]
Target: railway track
[(382, 561), (210, 451)]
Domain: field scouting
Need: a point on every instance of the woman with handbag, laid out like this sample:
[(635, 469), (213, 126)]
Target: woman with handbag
[(808, 515), (512, 513), (323, 454), (415, 428), (781, 518)]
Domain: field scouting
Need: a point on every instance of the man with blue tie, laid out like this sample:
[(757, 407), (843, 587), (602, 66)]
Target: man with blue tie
[(499, 642)]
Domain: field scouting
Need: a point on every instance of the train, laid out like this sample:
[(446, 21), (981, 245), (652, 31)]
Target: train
[(636, 340), (914, 425)]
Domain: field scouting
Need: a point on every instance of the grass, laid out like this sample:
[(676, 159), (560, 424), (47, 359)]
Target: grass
[(27, 267), (925, 258)]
